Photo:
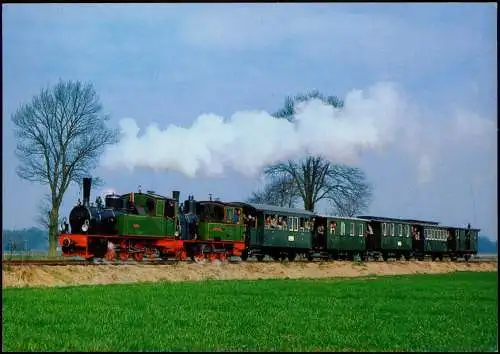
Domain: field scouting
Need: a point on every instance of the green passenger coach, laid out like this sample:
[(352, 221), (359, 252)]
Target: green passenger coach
[(277, 232), (388, 238), (338, 237)]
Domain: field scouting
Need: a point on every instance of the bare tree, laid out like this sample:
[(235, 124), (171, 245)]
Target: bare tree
[(279, 191), (61, 133), (315, 178), (350, 194)]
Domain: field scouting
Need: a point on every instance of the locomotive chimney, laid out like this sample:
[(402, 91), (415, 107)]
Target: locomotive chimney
[(175, 195), (87, 182)]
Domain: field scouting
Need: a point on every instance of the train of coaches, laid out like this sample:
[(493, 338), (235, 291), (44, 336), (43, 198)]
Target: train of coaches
[(144, 224)]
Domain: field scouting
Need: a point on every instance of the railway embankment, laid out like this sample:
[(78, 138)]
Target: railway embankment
[(69, 275)]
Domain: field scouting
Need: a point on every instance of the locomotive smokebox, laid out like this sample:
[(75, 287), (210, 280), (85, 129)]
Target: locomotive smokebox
[(175, 195), (87, 183)]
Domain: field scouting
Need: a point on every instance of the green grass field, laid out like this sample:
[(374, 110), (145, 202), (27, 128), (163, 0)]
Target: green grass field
[(449, 312)]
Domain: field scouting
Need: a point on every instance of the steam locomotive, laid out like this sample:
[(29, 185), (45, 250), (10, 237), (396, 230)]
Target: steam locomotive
[(137, 225)]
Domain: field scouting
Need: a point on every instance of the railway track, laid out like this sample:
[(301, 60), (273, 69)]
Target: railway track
[(68, 262)]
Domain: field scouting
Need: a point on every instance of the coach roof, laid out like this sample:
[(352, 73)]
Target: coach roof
[(272, 209), (340, 217), (408, 221)]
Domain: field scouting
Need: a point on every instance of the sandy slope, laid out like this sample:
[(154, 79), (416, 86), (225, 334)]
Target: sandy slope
[(17, 276)]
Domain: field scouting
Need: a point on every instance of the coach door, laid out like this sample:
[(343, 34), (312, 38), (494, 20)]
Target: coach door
[(418, 238), (319, 233), (451, 240), (373, 231)]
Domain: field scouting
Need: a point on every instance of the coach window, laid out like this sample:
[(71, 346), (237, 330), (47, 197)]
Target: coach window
[(400, 230), (407, 230), (384, 231), (360, 229), (352, 229), (333, 227), (342, 228), (392, 230), (303, 223)]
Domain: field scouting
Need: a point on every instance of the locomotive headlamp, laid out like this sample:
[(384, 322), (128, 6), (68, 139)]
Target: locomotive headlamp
[(85, 226)]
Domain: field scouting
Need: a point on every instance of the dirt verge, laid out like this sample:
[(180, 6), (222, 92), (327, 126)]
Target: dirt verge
[(43, 276)]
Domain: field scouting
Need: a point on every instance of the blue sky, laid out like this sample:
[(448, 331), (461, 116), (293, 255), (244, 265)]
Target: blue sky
[(169, 63)]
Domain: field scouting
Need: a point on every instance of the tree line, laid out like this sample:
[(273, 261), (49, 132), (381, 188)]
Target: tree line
[(63, 131)]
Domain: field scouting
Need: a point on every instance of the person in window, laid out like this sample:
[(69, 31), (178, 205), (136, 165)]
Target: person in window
[(321, 230), (283, 223), (249, 219), (267, 222), (236, 216), (279, 224), (274, 221)]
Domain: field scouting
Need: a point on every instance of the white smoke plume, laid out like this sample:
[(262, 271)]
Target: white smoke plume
[(250, 140)]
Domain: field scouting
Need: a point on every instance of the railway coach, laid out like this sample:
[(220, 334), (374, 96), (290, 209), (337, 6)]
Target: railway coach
[(277, 232), (338, 238)]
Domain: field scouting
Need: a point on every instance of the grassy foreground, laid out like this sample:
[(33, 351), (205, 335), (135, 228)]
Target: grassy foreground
[(448, 312)]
